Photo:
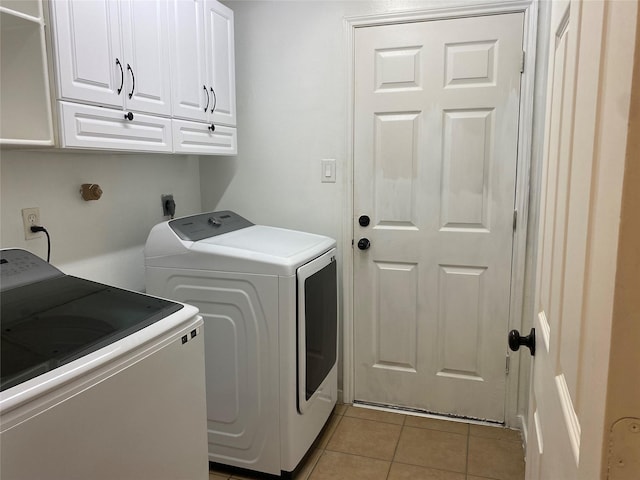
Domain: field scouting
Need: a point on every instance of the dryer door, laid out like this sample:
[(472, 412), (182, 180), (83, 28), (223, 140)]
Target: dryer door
[(317, 325)]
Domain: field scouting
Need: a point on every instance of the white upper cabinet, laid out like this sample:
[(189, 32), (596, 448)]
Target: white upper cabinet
[(143, 61), (113, 53), (203, 61), (220, 52)]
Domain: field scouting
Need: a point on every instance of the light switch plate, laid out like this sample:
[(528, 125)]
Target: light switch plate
[(328, 170)]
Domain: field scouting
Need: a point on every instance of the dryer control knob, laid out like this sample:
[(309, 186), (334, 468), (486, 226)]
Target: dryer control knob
[(214, 222)]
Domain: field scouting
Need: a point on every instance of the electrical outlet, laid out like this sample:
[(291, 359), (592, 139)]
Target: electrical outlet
[(31, 216)]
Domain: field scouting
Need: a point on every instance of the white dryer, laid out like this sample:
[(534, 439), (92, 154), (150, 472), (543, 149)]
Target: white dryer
[(268, 297)]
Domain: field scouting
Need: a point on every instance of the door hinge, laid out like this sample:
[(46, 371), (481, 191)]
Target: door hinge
[(522, 61), (515, 219), (507, 365), (352, 243)]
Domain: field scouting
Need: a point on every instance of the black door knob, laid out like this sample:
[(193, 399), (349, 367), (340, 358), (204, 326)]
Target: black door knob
[(364, 243), (364, 220), (128, 116), (515, 340)]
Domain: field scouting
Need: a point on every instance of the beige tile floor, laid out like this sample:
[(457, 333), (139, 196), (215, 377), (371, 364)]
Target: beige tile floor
[(365, 444)]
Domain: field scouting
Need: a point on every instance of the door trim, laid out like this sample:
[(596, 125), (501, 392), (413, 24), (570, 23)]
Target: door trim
[(515, 405)]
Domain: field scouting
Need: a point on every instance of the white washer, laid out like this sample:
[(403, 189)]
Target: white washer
[(97, 382), (268, 297)]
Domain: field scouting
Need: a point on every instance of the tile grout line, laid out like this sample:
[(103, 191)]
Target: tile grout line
[(466, 464), (376, 420), (315, 464), (395, 450), (324, 449)]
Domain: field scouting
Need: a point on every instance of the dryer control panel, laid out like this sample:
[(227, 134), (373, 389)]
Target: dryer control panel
[(207, 225)]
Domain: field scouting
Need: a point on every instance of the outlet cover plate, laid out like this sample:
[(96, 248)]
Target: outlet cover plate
[(30, 216)]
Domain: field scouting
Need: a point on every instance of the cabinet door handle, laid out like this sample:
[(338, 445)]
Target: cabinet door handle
[(207, 92), (133, 78), (215, 100), (121, 76)]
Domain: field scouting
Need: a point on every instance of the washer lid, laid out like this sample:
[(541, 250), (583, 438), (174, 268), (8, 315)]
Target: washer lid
[(47, 323)]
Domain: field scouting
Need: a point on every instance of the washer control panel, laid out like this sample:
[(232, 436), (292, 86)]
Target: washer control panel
[(19, 267), (206, 225)]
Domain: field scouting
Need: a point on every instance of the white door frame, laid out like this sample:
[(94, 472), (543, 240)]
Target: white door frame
[(530, 10)]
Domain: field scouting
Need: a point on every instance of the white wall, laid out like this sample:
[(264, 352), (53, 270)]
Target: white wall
[(100, 240)]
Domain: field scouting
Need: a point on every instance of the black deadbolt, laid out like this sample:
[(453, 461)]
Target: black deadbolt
[(364, 221)]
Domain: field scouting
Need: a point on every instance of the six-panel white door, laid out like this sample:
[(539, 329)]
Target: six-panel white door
[(435, 148), (590, 68)]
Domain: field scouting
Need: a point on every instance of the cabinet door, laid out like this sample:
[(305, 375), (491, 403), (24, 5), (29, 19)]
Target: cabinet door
[(195, 137), (88, 50), (190, 96), (146, 51), (85, 126), (221, 61)]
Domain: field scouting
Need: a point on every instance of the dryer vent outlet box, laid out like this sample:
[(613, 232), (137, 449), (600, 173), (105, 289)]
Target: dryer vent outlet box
[(168, 206)]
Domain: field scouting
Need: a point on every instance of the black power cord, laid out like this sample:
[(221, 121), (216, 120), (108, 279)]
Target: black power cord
[(38, 228)]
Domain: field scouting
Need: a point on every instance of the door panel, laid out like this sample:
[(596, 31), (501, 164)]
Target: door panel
[(396, 293), (466, 155), (435, 147), (458, 354)]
